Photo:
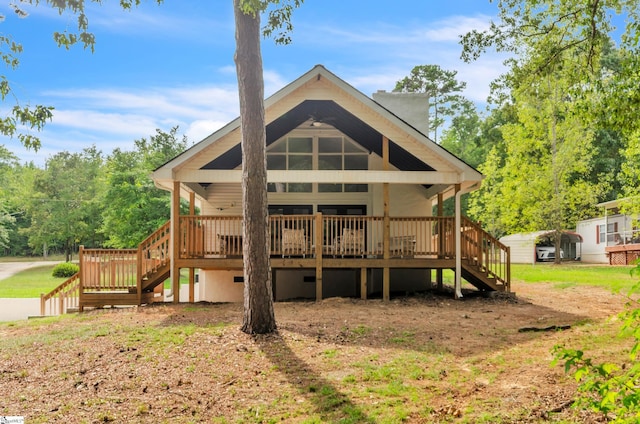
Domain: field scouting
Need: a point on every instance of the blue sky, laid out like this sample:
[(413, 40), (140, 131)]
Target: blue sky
[(172, 65)]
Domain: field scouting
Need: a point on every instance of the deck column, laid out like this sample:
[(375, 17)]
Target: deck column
[(175, 241), (458, 238), (386, 283), (192, 271), (363, 283), (441, 240), (139, 276), (81, 272), (319, 242)]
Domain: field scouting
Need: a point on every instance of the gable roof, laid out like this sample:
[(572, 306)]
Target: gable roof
[(322, 96)]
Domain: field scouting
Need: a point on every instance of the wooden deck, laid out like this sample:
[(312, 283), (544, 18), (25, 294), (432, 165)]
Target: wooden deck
[(623, 254), (313, 242)]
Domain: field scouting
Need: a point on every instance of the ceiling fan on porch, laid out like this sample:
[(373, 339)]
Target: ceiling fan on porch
[(316, 121)]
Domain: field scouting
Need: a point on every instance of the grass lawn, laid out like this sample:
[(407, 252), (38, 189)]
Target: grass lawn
[(34, 281), (30, 283), (424, 360), (616, 278)]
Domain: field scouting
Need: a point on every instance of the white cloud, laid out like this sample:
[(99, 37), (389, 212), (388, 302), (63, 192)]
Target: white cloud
[(105, 123), (200, 129), (451, 28)]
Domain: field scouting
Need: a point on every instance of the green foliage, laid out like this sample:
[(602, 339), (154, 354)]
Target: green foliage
[(541, 35), (463, 138), (606, 387), (6, 220), (549, 151), (65, 270), (65, 201), (133, 207), (279, 25)]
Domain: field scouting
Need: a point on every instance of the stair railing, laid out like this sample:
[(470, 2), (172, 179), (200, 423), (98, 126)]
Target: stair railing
[(62, 298), (486, 253), (153, 252)]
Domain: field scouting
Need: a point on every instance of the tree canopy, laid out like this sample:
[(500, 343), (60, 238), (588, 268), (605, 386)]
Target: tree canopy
[(133, 207)]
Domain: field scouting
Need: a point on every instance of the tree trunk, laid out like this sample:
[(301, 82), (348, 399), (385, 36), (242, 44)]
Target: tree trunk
[(557, 243), (258, 317), (67, 252)]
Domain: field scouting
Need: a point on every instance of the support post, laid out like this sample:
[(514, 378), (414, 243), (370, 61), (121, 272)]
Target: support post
[(441, 240), (363, 283), (139, 260), (319, 242), (458, 229), (386, 283), (82, 275), (175, 241), (192, 271)]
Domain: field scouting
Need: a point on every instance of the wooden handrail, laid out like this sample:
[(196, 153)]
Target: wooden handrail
[(486, 252), (108, 270), (221, 236), (154, 251), (64, 293)]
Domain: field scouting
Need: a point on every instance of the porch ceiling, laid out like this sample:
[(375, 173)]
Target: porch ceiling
[(329, 113)]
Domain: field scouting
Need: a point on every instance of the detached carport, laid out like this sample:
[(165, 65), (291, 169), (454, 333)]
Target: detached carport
[(523, 245)]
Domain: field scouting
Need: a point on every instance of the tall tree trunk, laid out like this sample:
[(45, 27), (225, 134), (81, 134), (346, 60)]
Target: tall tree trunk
[(258, 314), (557, 195), (67, 252)]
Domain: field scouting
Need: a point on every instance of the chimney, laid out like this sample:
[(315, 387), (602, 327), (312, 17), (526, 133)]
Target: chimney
[(413, 108)]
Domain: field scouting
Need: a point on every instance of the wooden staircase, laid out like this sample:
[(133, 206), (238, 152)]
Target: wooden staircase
[(114, 277), (485, 260)]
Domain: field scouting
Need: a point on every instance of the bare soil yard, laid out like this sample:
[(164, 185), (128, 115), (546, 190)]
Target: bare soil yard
[(419, 359)]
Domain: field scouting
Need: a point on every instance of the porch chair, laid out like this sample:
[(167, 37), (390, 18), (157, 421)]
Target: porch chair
[(351, 242), (293, 242)]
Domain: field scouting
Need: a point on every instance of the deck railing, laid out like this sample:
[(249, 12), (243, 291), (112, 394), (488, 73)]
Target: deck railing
[(296, 235), (154, 251), (62, 298), (108, 269)]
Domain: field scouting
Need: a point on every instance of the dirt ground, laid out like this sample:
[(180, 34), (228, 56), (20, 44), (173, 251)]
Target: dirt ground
[(459, 361)]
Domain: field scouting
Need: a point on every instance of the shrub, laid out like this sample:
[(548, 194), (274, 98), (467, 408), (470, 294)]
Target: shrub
[(65, 270)]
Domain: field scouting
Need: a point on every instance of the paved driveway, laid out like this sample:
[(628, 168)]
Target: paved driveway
[(17, 309)]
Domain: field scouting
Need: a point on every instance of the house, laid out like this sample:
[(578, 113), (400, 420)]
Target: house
[(612, 238), (352, 185), (538, 246)]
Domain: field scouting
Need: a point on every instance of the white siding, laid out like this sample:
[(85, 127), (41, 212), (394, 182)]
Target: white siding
[(523, 247), (592, 251), (218, 286)]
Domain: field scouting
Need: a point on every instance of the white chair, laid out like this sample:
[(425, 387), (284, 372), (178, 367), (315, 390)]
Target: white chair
[(351, 242), (293, 242)]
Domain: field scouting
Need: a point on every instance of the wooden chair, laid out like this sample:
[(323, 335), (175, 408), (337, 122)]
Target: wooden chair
[(293, 242), (351, 242), (403, 246)]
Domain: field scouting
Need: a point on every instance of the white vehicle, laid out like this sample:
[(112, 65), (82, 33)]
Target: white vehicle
[(547, 253)]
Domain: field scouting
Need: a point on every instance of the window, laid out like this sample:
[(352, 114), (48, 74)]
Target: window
[(323, 153), (338, 153), (601, 234), (290, 154), (606, 232)]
